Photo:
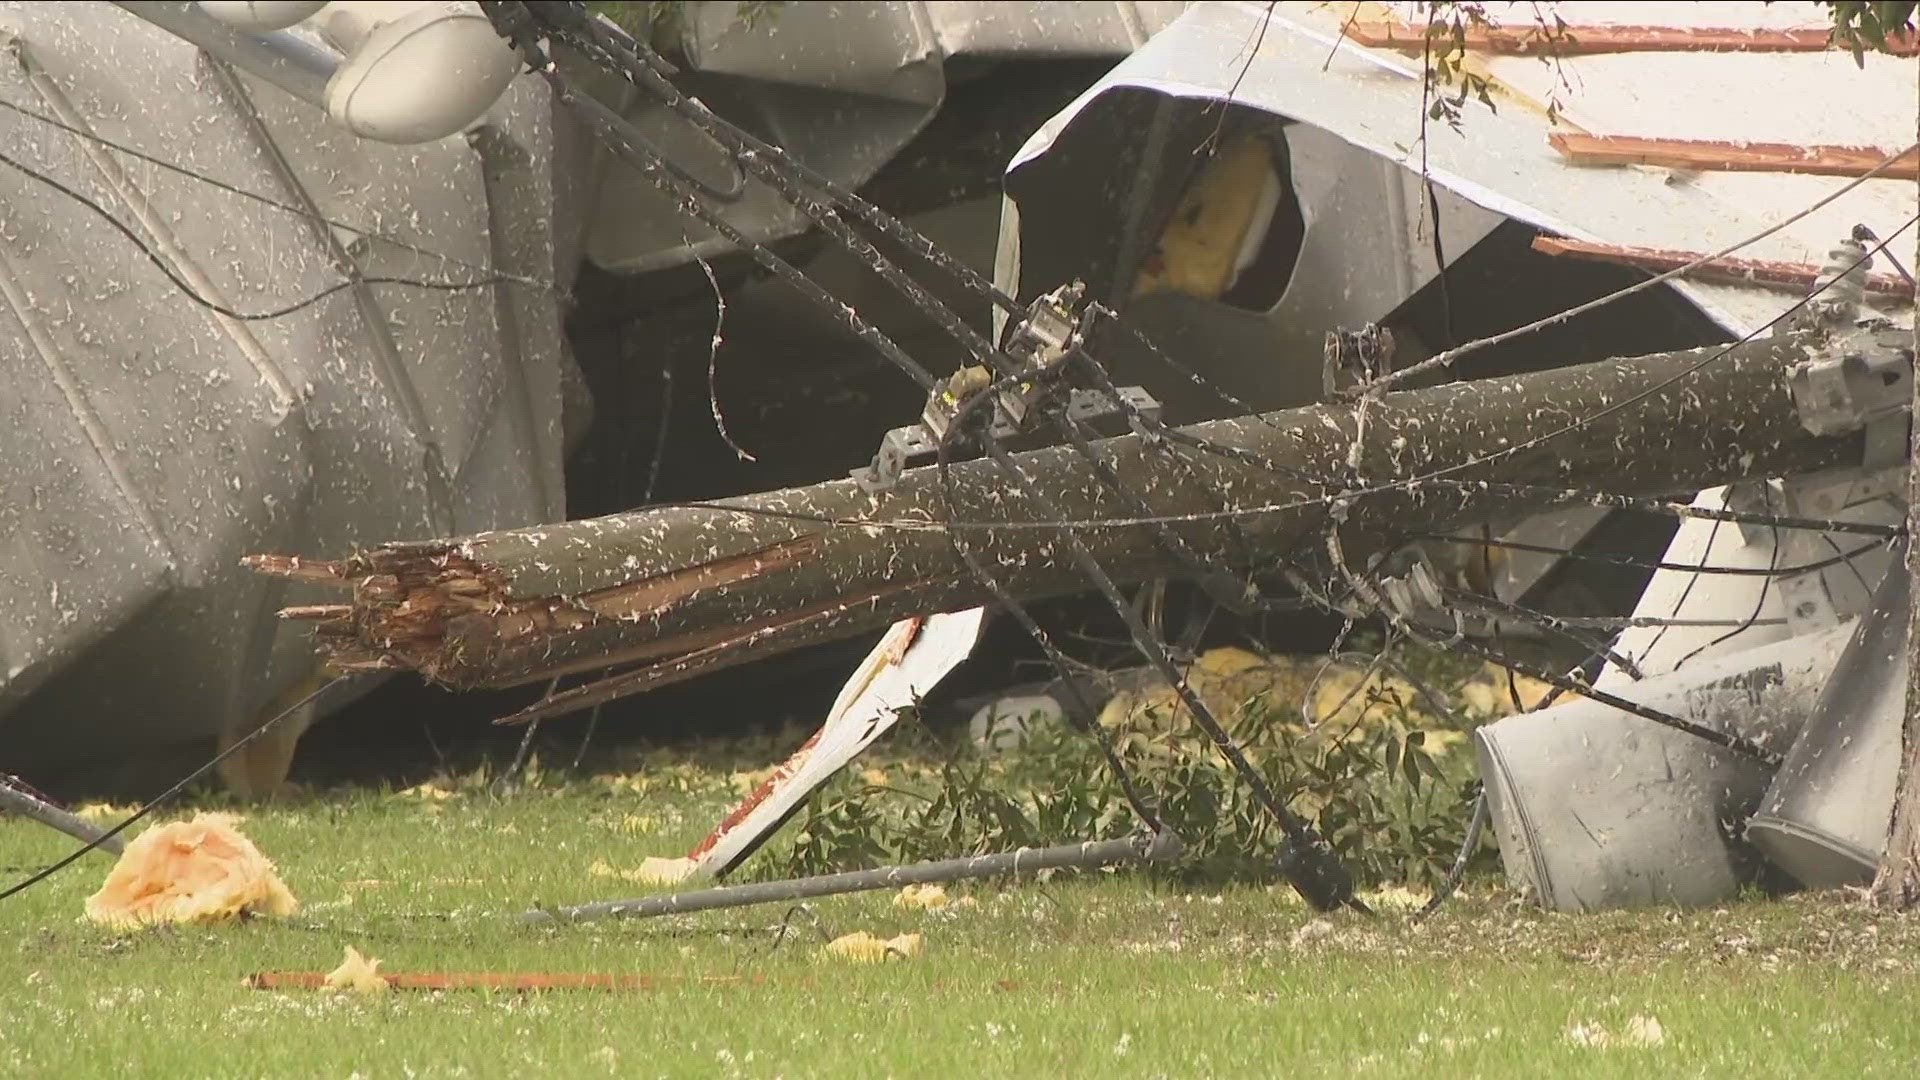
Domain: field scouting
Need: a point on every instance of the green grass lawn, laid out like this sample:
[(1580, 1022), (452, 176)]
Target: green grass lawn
[(1108, 975)]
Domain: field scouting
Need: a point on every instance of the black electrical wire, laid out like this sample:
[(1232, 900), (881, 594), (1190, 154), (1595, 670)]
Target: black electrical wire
[(1615, 559), (1308, 860), (265, 200), (1725, 740), (1551, 624), (629, 58), (1759, 602), (157, 800), (192, 294), (1458, 870)]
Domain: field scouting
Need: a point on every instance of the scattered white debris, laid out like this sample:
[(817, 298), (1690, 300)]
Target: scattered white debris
[(921, 897), (869, 949), (1640, 1031), (1312, 932), (357, 973), (1644, 1031)]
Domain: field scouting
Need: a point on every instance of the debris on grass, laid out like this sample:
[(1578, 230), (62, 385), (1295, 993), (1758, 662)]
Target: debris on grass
[(1312, 932), (1394, 898), (1644, 1031), (201, 870), (921, 897), (427, 791), (659, 870), (870, 949), (653, 870), (1640, 1031), (358, 974)]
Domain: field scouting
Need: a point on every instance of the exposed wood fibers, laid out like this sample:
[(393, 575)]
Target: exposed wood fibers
[(1715, 155), (1729, 269), (1590, 40)]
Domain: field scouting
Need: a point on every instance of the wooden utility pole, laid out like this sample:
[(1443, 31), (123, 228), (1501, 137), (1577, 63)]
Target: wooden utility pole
[(1897, 884), (671, 592)]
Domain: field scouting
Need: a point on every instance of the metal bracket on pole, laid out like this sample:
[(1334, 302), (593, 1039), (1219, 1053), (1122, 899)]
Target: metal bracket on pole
[(1863, 378), (1864, 381), (1412, 593), (1050, 330)]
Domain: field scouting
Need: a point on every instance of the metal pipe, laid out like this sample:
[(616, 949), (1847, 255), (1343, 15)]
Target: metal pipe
[(1146, 847), (16, 800), (290, 63)]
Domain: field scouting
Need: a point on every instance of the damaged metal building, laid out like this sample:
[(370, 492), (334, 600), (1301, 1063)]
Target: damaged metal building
[(1248, 180)]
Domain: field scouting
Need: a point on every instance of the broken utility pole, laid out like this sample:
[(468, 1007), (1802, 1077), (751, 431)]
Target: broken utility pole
[(1897, 883), (670, 592)]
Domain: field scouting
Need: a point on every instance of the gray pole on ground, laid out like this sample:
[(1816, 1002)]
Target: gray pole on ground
[(1144, 848), (16, 801)]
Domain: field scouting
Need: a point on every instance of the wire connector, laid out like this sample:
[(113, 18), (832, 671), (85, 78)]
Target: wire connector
[(1841, 289), (1049, 333), (514, 21), (1864, 380)]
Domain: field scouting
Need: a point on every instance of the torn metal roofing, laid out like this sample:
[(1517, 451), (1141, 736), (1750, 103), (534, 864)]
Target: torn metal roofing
[(842, 85), (1292, 60), (147, 442)]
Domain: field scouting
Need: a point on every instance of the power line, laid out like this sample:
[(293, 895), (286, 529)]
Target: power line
[(212, 305), (264, 200)]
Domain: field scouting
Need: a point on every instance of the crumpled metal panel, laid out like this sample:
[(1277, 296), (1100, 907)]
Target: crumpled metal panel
[(842, 85), (149, 443), (1365, 247), (1501, 162)]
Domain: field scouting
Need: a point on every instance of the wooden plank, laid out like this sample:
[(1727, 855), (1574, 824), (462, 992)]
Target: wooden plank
[(1730, 270), (1594, 40), (1712, 155)]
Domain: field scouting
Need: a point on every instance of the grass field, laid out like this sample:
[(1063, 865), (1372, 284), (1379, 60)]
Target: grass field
[(1109, 975)]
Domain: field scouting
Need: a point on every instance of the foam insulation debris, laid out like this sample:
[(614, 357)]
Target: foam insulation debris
[(864, 947), (197, 871)]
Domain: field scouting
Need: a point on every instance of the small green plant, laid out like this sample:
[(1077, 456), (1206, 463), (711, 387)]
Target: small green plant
[(1868, 25), (1388, 784)]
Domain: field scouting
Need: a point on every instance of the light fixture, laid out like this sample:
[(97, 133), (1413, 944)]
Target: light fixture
[(259, 16), (414, 72)]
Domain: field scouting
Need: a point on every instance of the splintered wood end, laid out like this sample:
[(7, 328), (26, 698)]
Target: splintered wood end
[(316, 612), (295, 568)]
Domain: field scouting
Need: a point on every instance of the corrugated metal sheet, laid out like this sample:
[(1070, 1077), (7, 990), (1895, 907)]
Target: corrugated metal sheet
[(147, 442), (1296, 65), (1290, 60), (842, 86)]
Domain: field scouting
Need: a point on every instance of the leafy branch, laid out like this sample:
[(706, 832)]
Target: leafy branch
[(1863, 26)]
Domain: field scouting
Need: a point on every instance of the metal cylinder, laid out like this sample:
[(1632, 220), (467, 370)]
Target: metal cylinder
[(287, 62), (1825, 818), (1596, 808)]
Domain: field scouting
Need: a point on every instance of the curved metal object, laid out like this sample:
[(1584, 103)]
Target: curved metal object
[(147, 443), (1596, 809), (1825, 818), (841, 85), (286, 61)]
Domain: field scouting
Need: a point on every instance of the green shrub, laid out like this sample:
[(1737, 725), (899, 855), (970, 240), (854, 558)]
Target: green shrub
[(1391, 789)]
